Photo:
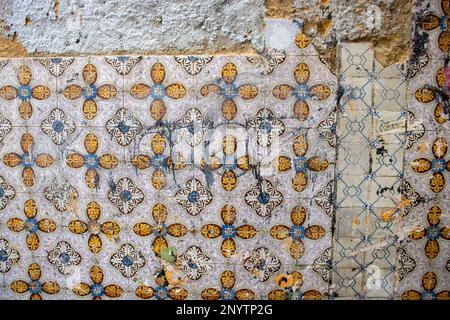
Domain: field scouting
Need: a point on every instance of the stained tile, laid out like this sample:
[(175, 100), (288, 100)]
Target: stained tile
[(357, 59)]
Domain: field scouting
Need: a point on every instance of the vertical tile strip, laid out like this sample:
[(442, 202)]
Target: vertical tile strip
[(370, 126), (423, 268)]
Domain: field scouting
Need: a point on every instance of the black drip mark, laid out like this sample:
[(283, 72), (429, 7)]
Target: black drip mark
[(420, 38), (384, 190), (420, 41), (112, 185), (445, 92), (370, 164), (339, 95), (443, 95), (381, 151)]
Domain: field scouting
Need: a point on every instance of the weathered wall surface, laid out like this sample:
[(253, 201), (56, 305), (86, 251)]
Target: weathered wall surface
[(73, 26), (384, 23), (206, 26)]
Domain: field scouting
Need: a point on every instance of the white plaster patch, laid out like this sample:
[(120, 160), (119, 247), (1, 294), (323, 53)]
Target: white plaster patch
[(280, 34)]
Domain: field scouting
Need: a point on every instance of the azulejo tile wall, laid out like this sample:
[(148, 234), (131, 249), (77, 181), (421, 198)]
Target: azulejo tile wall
[(167, 177), (226, 177), (424, 257)]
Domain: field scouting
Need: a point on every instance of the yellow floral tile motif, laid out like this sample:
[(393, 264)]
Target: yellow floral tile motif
[(27, 159), (90, 91), (35, 287), (97, 289), (158, 91), (25, 91), (228, 231), (227, 291), (302, 91), (94, 228), (31, 225), (438, 165), (159, 230), (91, 161)]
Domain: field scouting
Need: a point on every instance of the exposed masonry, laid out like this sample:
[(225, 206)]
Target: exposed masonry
[(189, 27), (151, 26)]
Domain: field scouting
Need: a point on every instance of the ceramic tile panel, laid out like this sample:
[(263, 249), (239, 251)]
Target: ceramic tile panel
[(168, 177), (423, 263)]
